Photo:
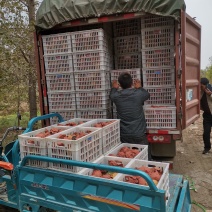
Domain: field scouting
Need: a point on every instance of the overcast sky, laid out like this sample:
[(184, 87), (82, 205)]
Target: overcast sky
[(202, 10)]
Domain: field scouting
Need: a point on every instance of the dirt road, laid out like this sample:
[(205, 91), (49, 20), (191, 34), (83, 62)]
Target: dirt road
[(198, 167)]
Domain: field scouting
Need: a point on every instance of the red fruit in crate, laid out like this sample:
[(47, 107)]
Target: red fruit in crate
[(121, 154), (129, 154), (124, 149), (155, 176), (107, 176), (141, 181), (97, 125), (131, 179), (112, 155), (60, 144), (97, 173), (61, 136), (30, 142), (135, 151)]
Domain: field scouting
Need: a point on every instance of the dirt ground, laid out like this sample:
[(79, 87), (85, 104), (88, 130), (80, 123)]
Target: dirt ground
[(190, 162)]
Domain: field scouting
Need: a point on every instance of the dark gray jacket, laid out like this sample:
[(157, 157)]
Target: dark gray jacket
[(129, 104)]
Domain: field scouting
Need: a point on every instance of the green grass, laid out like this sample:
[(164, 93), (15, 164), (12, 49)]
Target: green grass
[(11, 121)]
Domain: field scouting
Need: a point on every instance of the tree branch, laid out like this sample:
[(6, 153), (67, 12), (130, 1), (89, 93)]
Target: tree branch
[(24, 3), (22, 52)]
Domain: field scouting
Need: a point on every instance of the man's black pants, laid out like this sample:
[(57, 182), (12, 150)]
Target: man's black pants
[(207, 124)]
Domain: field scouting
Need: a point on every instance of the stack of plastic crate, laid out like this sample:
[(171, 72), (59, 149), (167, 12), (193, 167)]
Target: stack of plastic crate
[(92, 62), (59, 75), (158, 70), (127, 42)]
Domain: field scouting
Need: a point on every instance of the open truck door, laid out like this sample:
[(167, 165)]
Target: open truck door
[(190, 69)]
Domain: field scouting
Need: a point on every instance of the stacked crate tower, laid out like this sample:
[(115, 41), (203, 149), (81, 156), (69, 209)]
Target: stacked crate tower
[(59, 75), (127, 46), (91, 63), (158, 71)]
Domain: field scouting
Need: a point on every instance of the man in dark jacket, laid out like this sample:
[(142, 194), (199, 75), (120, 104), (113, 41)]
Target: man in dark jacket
[(206, 106), (129, 104)]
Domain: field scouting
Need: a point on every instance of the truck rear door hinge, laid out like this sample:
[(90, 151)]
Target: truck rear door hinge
[(180, 115), (42, 81), (179, 72)]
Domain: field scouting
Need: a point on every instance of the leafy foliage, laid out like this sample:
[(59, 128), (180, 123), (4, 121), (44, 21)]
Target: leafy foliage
[(16, 49)]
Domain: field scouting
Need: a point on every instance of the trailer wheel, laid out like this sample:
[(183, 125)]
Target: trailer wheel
[(43, 209)]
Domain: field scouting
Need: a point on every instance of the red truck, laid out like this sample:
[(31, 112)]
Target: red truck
[(158, 39)]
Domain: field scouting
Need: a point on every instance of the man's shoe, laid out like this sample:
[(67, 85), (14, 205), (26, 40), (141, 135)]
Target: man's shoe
[(205, 151)]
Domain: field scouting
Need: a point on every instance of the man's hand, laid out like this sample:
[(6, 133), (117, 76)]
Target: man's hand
[(208, 92), (115, 84), (137, 83)]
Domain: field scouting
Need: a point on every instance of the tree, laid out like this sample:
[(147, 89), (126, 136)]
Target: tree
[(17, 63), (209, 70)]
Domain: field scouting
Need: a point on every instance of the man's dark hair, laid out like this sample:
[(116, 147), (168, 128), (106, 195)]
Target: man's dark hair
[(125, 80), (204, 81)]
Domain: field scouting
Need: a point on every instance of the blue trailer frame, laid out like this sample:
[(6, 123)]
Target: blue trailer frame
[(30, 188)]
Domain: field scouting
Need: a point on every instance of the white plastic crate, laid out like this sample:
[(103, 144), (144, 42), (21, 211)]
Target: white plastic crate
[(87, 148), (128, 61), (60, 63), (157, 37), (164, 180), (92, 80), (161, 96), (110, 132), (160, 117), (61, 101), (156, 21), (60, 82), (135, 73), (127, 44), (127, 27), (93, 99), (31, 144), (143, 154), (95, 114), (73, 122), (57, 43), (66, 114), (89, 40), (91, 61), (158, 77), (158, 57), (105, 160)]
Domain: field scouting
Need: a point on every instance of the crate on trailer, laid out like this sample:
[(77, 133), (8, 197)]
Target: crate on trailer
[(163, 183), (127, 44), (57, 43), (161, 117), (161, 96), (34, 143), (157, 37), (72, 122), (110, 129), (135, 73), (91, 99), (60, 82), (60, 63), (142, 151), (158, 57), (128, 61), (66, 114), (158, 77), (127, 27), (86, 148), (89, 40), (152, 21), (111, 161), (95, 113), (91, 61), (61, 101), (92, 80)]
